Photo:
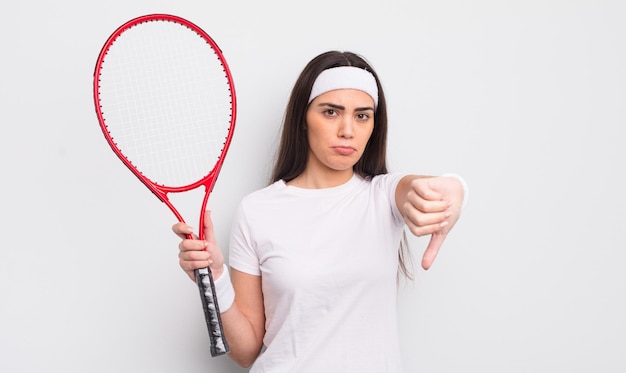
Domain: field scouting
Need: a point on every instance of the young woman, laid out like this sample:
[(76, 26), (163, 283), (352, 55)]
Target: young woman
[(314, 257)]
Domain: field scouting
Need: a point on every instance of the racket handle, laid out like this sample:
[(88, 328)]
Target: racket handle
[(211, 309)]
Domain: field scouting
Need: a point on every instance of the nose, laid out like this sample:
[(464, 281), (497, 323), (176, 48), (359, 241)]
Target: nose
[(346, 128)]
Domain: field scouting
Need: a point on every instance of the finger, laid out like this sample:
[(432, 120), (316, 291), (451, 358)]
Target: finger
[(452, 188), (191, 260), (195, 256), (420, 217), (423, 205), (425, 230), (192, 245), (420, 231), (425, 189), (190, 266), (436, 240), (182, 230), (425, 198)]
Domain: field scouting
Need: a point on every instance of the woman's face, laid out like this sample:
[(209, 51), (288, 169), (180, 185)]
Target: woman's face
[(339, 125)]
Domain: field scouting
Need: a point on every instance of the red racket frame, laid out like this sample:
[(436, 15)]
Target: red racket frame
[(162, 191)]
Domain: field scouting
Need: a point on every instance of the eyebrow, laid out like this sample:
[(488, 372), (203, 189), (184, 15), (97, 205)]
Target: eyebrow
[(341, 107)]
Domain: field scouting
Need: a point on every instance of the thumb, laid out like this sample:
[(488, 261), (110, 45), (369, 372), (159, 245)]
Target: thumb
[(436, 240), (209, 233)]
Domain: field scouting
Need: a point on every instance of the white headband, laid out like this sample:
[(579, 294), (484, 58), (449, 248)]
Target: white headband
[(345, 77)]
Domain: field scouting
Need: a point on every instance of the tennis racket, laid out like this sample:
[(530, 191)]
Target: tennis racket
[(165, 100)]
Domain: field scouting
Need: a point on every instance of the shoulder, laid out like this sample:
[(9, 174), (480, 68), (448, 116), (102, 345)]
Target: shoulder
[(265, 193), (261, 201)]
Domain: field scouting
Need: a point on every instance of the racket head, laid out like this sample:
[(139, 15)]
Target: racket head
[(166, 104)]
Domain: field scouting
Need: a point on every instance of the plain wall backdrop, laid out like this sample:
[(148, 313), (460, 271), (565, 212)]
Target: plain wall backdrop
[(524, 99)]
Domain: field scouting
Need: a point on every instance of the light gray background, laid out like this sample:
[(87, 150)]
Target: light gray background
[(525, 99)]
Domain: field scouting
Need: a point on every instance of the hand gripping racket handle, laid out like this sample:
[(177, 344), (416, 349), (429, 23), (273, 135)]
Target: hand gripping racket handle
[(204, 279)]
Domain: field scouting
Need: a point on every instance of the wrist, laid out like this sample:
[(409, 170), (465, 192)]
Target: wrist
[(224, 289), (218, 271)]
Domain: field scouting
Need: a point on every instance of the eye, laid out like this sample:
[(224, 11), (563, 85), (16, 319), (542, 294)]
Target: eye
[(330, 112), (364, 117)]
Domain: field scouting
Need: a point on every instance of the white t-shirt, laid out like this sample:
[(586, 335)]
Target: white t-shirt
[(328, 260)]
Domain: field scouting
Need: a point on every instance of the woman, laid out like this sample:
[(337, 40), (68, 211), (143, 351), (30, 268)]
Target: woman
[(314, 257)]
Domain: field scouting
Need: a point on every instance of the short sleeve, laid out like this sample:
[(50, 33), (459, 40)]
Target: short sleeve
[(387, 183), (242, 254)]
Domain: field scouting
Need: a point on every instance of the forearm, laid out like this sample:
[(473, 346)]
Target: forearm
[(243, 314), (245, 345)]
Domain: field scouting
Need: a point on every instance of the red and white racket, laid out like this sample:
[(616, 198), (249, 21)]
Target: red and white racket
[(165, 100)]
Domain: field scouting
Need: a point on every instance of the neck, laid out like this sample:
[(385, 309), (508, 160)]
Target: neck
[(321, 179)]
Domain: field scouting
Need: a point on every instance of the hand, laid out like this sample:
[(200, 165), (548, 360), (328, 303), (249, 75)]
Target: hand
[(433, 207), (195, 253)]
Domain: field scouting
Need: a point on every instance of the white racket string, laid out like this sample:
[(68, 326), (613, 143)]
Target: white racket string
[(166, 102)]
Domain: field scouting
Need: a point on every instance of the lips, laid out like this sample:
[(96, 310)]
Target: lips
[(344, 150)]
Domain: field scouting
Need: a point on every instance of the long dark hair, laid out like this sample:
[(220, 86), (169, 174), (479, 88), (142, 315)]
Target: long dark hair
[(294, 145), (293, 151)]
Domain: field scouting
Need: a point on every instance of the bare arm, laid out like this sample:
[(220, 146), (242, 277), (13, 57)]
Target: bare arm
[(244, 320), (430, 206)]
